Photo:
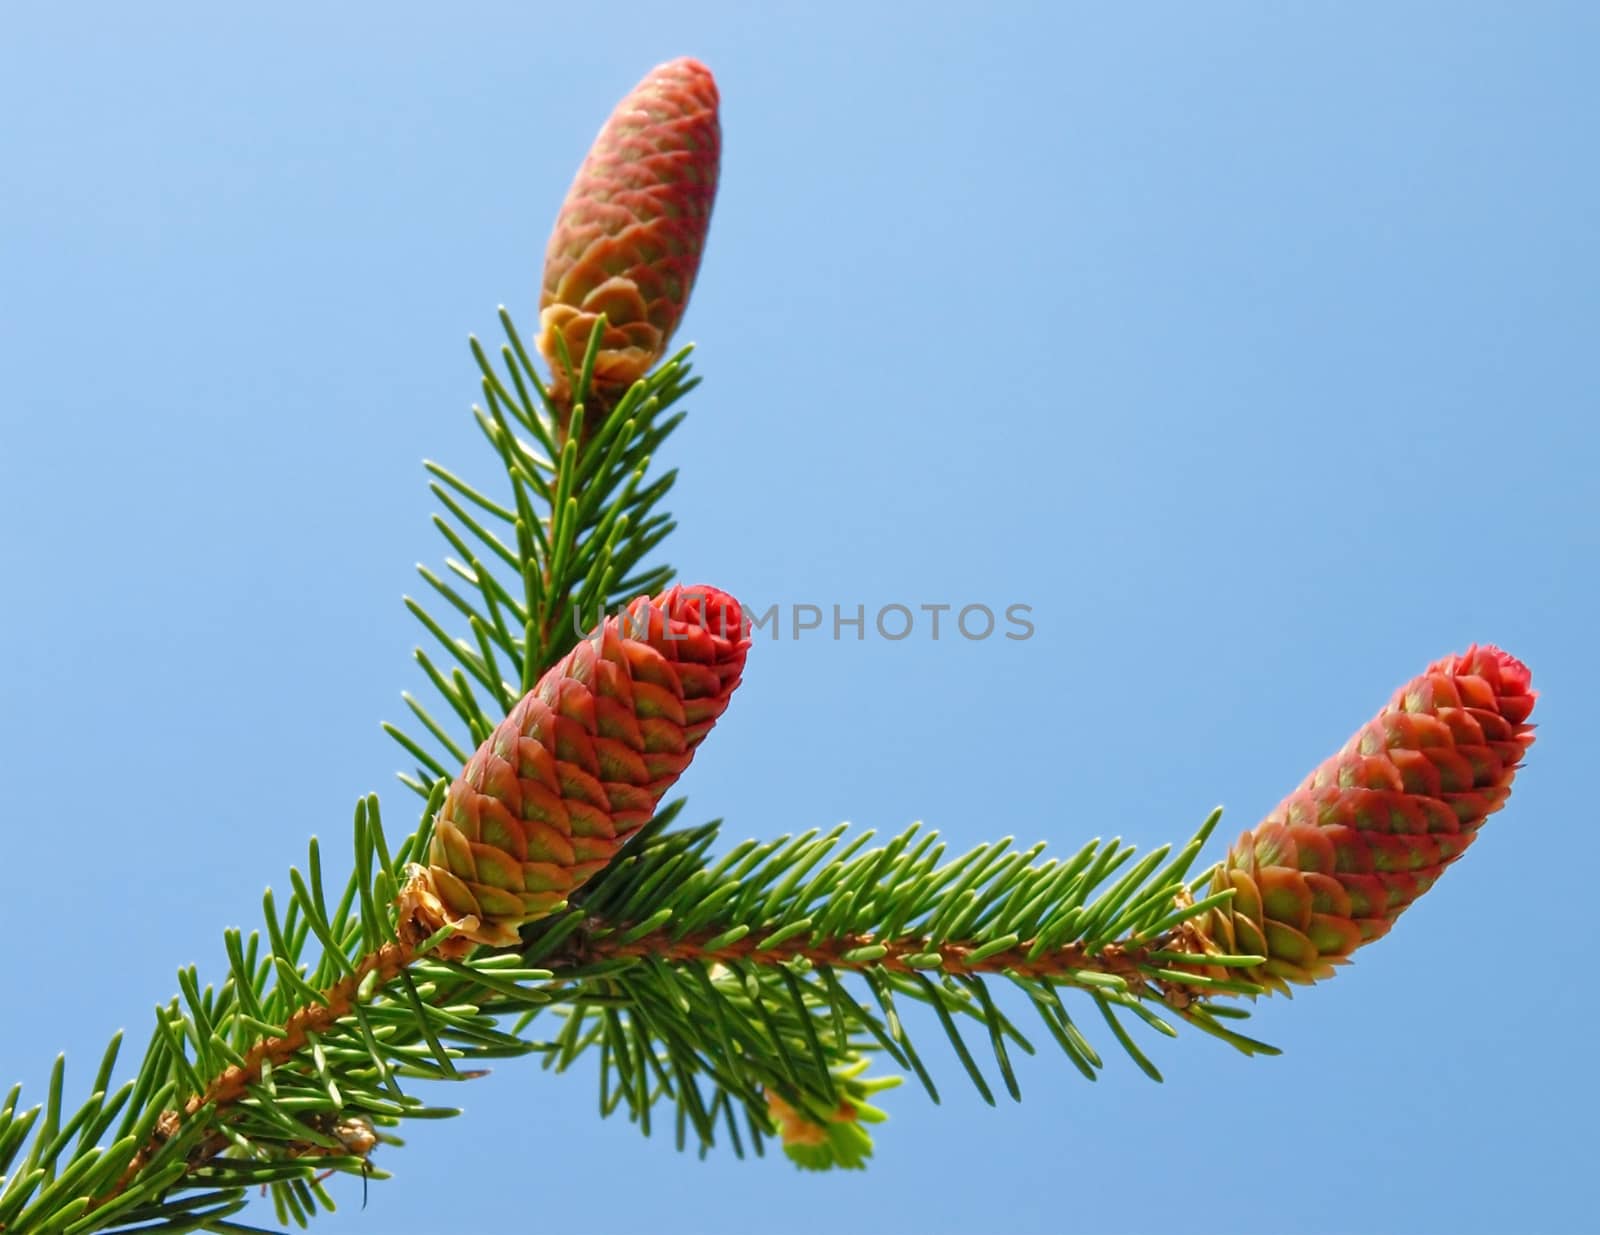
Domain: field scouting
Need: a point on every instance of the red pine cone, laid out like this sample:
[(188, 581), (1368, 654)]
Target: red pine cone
[(1370, 830), (578, 766), (627, 242)]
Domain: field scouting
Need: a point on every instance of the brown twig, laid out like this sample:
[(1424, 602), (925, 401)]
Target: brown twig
[(234, 1081), (1132, 963)]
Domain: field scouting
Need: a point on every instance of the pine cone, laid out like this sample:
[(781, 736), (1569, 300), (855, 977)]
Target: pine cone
[(1370, 830), (577, 767), (628, 239)]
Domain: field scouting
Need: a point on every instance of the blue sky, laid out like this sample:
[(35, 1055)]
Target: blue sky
[(1251, 345)]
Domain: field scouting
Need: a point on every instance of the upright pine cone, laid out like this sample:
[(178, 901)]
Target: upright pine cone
[(1370, 830), (577, 767), (628, 239)]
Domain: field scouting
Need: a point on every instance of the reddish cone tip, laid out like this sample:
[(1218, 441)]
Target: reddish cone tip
[(577, 767), (1372, 828), (1510, 679)]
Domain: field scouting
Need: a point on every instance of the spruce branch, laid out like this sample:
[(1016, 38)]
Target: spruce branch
[(777, 1009), (749, 989)]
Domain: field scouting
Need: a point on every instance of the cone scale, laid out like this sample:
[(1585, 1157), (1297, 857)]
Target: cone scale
[(577, 767), (1372, 829), (628, 239)]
